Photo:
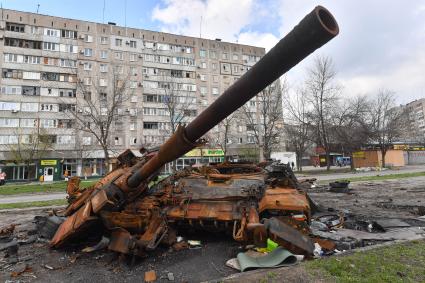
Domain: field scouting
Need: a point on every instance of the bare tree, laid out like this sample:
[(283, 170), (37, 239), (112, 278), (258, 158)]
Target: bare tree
[(100, 106), (220, 135), (352, 127), (388, 121), (297, 126), (266, 119), (323, 95), (29, 148)]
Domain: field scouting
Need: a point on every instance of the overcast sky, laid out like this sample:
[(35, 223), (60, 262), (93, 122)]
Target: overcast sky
[(381, 43)]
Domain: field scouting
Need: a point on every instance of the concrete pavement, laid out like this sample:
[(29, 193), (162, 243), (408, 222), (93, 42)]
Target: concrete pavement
[(325, 177), (31, 197)]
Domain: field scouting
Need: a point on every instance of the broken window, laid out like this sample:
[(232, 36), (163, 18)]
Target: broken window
[(15, 27), (150, 125), (23, 43), (31, 90)]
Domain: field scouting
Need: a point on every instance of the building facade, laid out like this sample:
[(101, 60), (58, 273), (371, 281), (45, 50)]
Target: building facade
[(48, 64), (415, 128)]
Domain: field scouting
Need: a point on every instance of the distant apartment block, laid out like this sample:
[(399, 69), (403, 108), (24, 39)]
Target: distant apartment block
[(44, 60)]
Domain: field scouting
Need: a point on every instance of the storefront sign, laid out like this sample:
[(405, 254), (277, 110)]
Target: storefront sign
[(359, 154), (205, 152), (48, 162)]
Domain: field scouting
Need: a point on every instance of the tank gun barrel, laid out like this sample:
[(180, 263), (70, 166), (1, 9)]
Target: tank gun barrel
[(316, 29)]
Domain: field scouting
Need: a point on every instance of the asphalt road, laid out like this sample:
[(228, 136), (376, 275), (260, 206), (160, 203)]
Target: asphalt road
[(319, 177), (31, 197)]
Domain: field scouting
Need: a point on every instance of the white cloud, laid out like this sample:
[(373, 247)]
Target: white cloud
[(380, 44), (220, 18)]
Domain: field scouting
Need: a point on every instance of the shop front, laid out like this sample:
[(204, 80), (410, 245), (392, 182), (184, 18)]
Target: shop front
[(49, 170)]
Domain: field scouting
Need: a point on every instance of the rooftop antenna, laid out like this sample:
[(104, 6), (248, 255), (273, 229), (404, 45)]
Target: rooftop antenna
[(103, 12), (125, 13), (38, 7), (200, 28)]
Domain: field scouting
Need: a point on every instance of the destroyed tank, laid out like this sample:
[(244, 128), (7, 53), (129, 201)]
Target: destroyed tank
[(252, 202)]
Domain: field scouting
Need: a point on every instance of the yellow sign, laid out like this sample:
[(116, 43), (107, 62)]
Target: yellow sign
[(358, 154), (48, 162), (205, 152)]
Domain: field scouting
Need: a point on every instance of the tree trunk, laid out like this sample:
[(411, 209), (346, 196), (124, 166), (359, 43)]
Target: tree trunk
[(107, 160), (299, 165), (328, 160), (352, 161), (383, 153)]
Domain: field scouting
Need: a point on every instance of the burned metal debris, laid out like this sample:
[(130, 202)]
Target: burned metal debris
[(253, 203)]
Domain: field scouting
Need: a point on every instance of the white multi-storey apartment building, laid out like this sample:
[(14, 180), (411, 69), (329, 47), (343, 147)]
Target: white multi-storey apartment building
[(44, 60)]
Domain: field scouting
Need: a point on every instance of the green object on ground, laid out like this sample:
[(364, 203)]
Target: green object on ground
[(278, 257)]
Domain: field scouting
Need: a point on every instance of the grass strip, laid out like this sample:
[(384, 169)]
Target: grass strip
[(14, 189), (403, 262), (33, 204)]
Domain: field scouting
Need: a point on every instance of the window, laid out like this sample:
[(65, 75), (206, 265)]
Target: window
[(11, 58), (103, 68), (203, 65), (214, 90), (119, 55), (103, 111), (103, 54), (103, 40), (117, 141), (133, 98), (88, 38), (215, 79), (48, 107), (118, 42), (133, 71), (68, 63), (119, 69), (22, 43), (31, 59), (30, 75), (133, 141), (202, 53), (88, 52), (66, 108), (235, 57), (224, 56), (28, 123), (214, 66), (133, 84), (69, 34), (51, 32), (65, 139), (133, 44), (203, 77), (86, 141), (67, 93), (87, 81), (69, 48), (133, 57), (29, 107), (88, 66), (132, 126), (10, 106), (103, 82), (49, 91), (31, 90), (12, 74), (34, 30), (203, 90), (250, 139), (15, 27), (47, 76), (213, 54), (48, 123), (50, 46), (11, 90), (8, 139), (150, 125)]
